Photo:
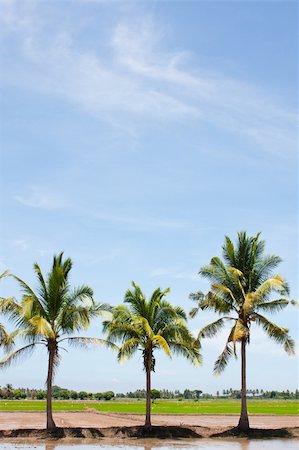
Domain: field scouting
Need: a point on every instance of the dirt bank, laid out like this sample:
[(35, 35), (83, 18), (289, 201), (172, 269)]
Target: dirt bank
[(95, 425), (93, 419), (139, 432)]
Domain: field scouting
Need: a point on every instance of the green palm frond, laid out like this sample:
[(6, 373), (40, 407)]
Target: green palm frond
[(229, 252), (276, 333), (223, 359), (161, 342), (42, 283), (224, 290), (86, 342), (136, 299), (42, 327), (191, 353), (5, 274), (121, 331), (212, 329), (7, 339), (143, 323), (17, 355), (81, 294), (273, 284), (193, 312), (127, 349), (274, 306), (263, 269)]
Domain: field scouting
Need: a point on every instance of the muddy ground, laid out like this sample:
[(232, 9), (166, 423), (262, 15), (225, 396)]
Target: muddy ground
[(96, 425), (93, 419)]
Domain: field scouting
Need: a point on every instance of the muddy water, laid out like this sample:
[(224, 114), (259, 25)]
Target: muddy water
[(203, 444)]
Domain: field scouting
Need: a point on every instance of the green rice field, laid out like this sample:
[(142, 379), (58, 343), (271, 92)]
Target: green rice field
[(277, 407)]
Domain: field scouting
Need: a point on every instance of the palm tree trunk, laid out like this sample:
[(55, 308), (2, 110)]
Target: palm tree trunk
[(243, 424), (148, 367), (50, 421)]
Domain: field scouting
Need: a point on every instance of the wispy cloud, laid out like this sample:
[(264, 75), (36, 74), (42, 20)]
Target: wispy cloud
[(161, 272), (137, 78), (39, 197), (20, 244), (143, 222)]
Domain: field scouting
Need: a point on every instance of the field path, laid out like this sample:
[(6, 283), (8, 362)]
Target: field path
[(37, 419)]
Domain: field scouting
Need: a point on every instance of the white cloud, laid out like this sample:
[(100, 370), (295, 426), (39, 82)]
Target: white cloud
[(137, 78)]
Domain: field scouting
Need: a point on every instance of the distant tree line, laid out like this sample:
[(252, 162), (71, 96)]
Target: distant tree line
[(10, 393), (260, 393)]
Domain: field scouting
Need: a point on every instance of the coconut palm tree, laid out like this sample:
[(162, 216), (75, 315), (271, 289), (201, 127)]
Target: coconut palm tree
[(49, 315), (148, 325), (241, 292)]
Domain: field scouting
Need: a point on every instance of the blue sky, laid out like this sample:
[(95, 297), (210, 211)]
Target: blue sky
[(134, 136)]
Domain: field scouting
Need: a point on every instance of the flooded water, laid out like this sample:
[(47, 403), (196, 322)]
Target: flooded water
[(202, 444)]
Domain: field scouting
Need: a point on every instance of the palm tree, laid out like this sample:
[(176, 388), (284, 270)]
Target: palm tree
[(148, 325), (241, 290), (49, 315)]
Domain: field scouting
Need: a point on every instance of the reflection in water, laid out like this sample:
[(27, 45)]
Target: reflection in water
[(51, 446), (201, 444)]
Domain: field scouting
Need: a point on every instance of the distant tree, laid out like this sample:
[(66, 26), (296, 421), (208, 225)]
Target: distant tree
[(64, 394), (83, 395), (74, 395), (41, 395), (155, 394)]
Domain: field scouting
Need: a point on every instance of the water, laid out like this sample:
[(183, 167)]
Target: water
[(202, 444)]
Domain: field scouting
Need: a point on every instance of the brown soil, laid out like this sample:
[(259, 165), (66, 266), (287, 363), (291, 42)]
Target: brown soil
[(94, 419), (94, 425)]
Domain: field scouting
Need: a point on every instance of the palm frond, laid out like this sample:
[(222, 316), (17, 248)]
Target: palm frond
[(17, 355), (223, 359), (86, 342), (42, 327), (121, 331), (274, 306), (276, 333), (191, 353), (273, 284), (212, 329), (7, 339), (193, 312), (82, 294), (5, 274), (127, 349), (159, 341), (143, 322), (43, 286)]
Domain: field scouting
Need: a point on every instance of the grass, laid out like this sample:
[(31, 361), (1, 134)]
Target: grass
[(277, 407)]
